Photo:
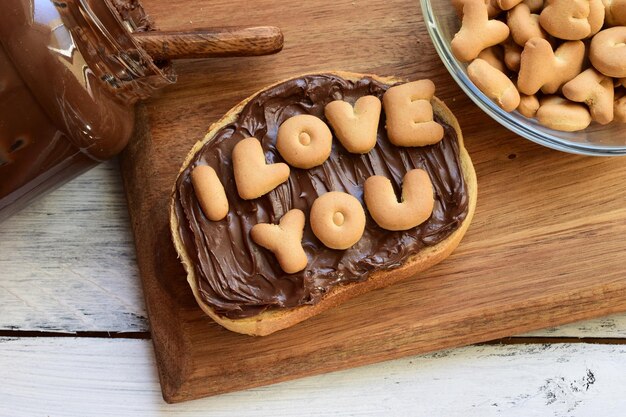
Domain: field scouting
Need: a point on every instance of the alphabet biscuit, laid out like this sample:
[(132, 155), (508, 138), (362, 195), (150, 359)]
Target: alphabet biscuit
[(414, 208), (304, 141), (284, 240), (356, 127), (337, 219), (410, 114), (477, 31), (253, 176), (210, 192)]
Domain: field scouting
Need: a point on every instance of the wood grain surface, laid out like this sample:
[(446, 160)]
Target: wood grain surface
[(53, 376), (546, 246), (67, 377), (38, 295)]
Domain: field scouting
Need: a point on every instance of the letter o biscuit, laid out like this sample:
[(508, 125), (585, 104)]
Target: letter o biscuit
[(337, 219), (304, 141)]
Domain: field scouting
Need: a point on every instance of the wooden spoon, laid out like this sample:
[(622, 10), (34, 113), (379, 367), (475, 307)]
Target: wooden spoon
[(214, 42)]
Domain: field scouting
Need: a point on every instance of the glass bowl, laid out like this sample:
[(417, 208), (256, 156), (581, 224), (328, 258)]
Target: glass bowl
[(442, 23)]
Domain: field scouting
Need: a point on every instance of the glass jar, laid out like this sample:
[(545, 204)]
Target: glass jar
[(70, 74)]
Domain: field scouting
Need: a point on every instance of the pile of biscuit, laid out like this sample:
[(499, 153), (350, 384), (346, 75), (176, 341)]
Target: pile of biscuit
[(561, 61), (304, 142)]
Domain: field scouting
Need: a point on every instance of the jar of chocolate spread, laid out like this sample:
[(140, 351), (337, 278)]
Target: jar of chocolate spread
[(70, 74)]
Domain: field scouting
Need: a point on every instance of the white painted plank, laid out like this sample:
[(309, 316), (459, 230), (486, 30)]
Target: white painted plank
[(117, 377), (67, 262), (605, 327)]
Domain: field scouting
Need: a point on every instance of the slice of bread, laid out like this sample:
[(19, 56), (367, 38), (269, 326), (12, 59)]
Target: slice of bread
[(272, 320)]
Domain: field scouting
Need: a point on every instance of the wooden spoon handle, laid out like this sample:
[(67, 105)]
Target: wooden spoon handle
[(214, 42)]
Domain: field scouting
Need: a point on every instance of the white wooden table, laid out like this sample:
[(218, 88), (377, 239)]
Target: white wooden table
[(74, 340)]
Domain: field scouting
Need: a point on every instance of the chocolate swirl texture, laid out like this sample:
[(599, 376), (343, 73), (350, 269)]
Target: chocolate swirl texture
[(238, 278)]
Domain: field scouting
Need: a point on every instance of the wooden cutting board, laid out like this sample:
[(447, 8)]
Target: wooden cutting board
[(547, 245)]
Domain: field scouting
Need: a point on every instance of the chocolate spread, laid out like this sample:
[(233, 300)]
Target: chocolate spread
[(240, 279), (70, 73)]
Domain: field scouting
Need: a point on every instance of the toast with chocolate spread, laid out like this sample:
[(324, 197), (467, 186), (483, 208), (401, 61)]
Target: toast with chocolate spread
[(240, 283)]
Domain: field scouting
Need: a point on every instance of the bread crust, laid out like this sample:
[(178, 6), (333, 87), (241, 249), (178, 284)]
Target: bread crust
[(273, 320)]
